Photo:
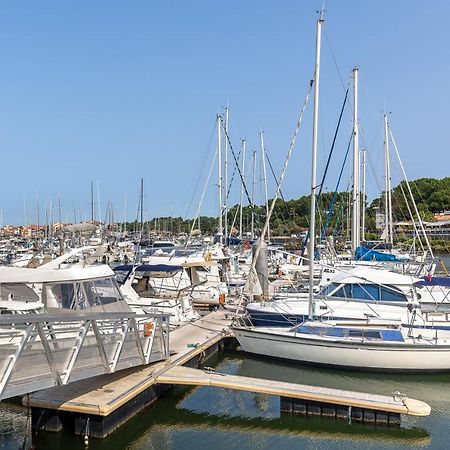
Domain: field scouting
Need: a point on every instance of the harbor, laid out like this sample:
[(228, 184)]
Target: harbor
[(224, 226)]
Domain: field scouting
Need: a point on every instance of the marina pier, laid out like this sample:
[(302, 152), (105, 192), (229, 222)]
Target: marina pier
[(97, 406)]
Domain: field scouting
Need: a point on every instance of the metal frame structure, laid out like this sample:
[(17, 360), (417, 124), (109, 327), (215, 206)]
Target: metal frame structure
[(38, 351)]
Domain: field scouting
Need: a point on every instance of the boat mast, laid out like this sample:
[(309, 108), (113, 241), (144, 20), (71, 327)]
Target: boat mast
[(312, 228), (142, 208), (388, 197), (219, 175), (226, 174), (253, 196), (243, 144), (125, 216), (92, 201), (355, 195), (363, 207), (263, 156)]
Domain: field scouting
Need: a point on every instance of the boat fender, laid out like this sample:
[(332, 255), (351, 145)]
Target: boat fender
[(148, 329)]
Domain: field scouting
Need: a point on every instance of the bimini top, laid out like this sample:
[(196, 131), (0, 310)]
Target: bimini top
[(50, 275), (148, 268), (364, 275)]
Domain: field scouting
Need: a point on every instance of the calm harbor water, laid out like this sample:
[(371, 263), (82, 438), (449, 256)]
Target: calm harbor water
[(206, 418)]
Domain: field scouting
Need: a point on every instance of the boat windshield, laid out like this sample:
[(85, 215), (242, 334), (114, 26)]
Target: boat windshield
[(102, 291), (81, 295), (366, 292)]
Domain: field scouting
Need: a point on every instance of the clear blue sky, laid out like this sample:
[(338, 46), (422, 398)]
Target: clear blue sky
[(113, 91)]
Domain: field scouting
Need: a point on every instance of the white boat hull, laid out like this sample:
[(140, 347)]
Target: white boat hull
[(356, 355)]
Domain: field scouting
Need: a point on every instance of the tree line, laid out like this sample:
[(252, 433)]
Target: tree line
[(333, 211)]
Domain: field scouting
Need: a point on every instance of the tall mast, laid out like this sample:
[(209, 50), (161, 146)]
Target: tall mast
[(219, 175), (252, 229), (363, 207), (243, 143), (99, 211), (388, 197), (226, 175), (355, 194), (142, 207), (92, 201), (37, 218), (312, 227), (125, 216), (59, 212), (263, 157)]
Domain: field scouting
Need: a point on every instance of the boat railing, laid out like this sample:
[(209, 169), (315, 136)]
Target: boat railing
[(38, 351)]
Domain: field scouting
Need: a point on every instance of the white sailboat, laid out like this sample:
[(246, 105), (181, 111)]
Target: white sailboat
[(376, 343), (382, 346)]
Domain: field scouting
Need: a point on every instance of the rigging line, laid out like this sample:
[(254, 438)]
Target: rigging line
[(411, 194), (333, 200), (369, 96), (334, 59), (283, 173), (252, 206), (329, 159), (201, 200), (232, 176), (333, 144), (273, 174), (411, 216), (374, 173), (200, 170)]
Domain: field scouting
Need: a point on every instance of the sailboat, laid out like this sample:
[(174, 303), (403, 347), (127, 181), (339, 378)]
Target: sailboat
[(375, 343)]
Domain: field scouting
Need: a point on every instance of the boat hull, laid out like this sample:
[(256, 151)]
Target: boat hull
[(351, 355)]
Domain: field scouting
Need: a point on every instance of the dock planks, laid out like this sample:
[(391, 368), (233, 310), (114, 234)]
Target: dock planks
[(401, 405)]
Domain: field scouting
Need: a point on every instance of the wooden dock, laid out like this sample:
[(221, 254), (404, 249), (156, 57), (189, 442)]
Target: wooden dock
[(104, 402), (132, 389), (395, 404)]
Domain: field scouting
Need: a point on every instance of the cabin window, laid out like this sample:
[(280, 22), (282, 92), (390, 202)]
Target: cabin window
[(328, 289), (369, 334), (355, 333), (344, 292), (82, 304), (102, 292), (64, 294), (121, 276), (392, 295), (366, 291), (364, 334), (18, 291)]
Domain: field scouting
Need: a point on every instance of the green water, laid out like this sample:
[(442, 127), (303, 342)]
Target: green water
[(211, 418)]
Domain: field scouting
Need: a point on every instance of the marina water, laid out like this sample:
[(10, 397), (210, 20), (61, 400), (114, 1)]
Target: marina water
[(206, 418)]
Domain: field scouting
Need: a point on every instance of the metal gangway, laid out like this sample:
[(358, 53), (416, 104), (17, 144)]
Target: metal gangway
[(38, 351)]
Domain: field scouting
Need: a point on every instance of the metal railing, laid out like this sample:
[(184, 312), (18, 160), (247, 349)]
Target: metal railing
[(38, 351)]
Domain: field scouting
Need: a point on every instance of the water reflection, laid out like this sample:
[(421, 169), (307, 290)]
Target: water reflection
[(211, 418)]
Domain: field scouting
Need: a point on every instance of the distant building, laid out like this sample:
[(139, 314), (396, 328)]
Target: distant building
[(442, 216)]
